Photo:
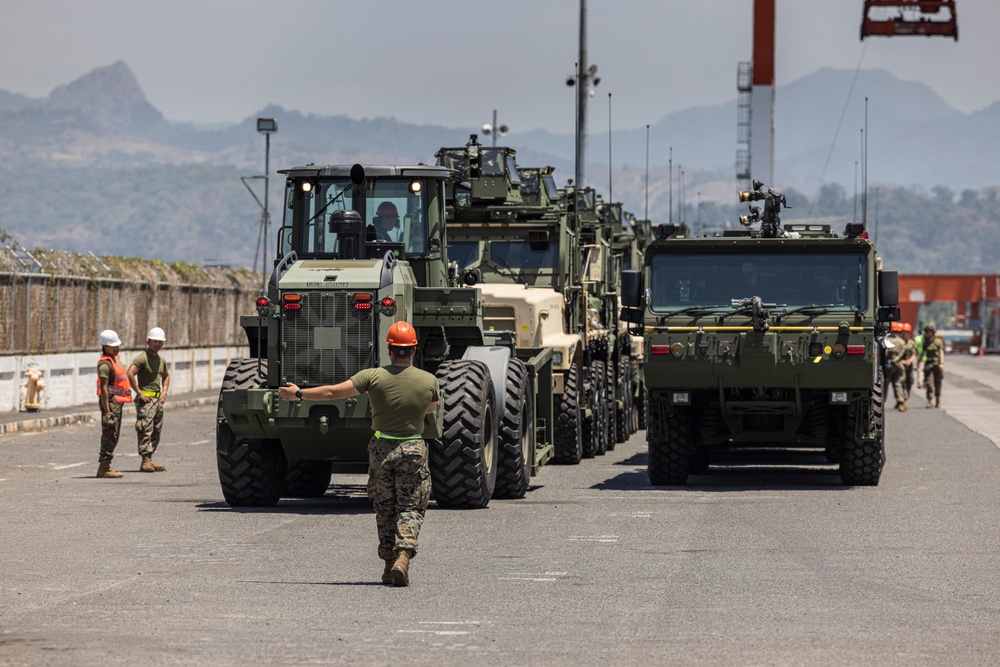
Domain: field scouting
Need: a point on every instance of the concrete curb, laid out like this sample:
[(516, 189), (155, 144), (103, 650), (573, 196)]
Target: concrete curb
[(87, 416)]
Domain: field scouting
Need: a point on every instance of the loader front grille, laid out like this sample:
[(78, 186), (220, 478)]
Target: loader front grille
[(327, 341)]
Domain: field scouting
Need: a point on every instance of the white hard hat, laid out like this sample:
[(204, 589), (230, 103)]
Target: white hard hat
[(156, 333), (108, 337)]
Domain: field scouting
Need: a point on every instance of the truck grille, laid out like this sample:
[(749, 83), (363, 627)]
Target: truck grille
[(327, 341), (499, 318)]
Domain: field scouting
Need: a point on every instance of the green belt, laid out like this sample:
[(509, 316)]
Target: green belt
[(380, 434), (151, 394)]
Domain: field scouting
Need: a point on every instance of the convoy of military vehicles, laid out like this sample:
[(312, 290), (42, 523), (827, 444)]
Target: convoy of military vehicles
[(557, 325)]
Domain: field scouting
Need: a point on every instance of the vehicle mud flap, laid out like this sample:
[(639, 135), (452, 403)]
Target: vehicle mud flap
[(463, 461), (671, 444), (251, 471), (568, 449), (516, 436)]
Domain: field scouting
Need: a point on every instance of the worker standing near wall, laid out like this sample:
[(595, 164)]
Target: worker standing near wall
[(114, 391), (150, 380)]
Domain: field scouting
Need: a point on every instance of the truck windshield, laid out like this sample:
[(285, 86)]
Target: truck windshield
[(466, 253), (390, 211), (837, 280), (521, 255)]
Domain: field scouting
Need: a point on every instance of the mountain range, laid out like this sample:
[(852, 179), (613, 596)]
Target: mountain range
[(100, 134)]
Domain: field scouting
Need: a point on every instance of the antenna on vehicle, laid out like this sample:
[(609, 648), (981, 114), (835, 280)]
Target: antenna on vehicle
[(610, 197), (646, 216)]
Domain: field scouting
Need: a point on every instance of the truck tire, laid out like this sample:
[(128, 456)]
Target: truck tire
[(629, 398), (641, 409), (568, 448), (307, 479), (516, 444), (616, 391), (591, 438), (861, 459), (251, 471), (670, 449), (463, 461)]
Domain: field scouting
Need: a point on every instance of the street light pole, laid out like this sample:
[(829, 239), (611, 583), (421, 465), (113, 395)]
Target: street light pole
[(266, 126)]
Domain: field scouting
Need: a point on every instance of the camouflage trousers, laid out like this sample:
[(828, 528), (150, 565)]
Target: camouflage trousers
[(399, 486), (933, 379), (111, 427), (148, 425), (900, 390)]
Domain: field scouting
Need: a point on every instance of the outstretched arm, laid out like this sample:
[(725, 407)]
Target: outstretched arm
[(327, 392)]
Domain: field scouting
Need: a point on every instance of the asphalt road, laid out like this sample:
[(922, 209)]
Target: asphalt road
[(751, 564)]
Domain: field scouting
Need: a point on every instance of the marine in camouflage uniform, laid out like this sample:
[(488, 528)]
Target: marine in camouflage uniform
[(399, 481), (933, 362), (897, 373), (150, 380), (113, 391)]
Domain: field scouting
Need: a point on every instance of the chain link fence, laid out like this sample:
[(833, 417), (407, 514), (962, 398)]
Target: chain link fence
[(53, 302)]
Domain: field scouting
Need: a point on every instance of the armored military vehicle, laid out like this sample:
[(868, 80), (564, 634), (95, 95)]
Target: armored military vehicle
[(338, 284), (763, 337), (507, 234)]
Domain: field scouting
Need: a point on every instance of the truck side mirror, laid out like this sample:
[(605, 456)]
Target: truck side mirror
[(888, 288), (632, 289)]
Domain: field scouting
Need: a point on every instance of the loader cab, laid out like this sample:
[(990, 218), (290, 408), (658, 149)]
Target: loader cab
[(346, 213)]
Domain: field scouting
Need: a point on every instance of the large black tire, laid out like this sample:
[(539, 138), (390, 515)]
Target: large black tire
[(516, 444), (670, 447), (590, 440), (307, 479), (616, 386), (862, 458), (251, 471), (631, 421), (606, 432), (463, 462), (642, 408), (568, 448)]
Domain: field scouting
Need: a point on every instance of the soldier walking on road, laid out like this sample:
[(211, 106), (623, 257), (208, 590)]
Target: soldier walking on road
[(897, 372), (909, 358), (933, 363), (399, 482), (150, 380), (113, 390)]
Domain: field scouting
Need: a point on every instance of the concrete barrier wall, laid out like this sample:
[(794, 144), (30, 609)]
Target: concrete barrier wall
[(71, 378)]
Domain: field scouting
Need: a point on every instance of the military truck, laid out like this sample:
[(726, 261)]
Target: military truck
[(513, 248), (359, 249), (763, 337)]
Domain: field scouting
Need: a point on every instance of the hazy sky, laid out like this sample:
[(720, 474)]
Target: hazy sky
[(451, 62)]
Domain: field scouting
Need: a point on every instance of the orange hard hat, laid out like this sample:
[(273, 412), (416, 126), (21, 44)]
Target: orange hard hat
[(896, 326), (387, 210), (401, 334), (907, 327)]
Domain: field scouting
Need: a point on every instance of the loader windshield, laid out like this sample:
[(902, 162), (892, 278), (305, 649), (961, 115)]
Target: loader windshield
[(392, 211)]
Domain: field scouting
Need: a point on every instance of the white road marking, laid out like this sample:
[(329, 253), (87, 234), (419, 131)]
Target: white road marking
[(434, 632), (449, 623), (526, 578), (598, 538), (69, 465), (3, 480)]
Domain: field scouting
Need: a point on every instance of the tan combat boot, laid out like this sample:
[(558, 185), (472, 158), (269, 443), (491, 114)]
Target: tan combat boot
[(104, 470), (147, 463), (387, 573), (400, 571), (938, 403), (929, 404), (157, 467), (902, 406)]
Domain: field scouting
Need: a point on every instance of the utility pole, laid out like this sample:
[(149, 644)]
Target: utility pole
[(585, 79)]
